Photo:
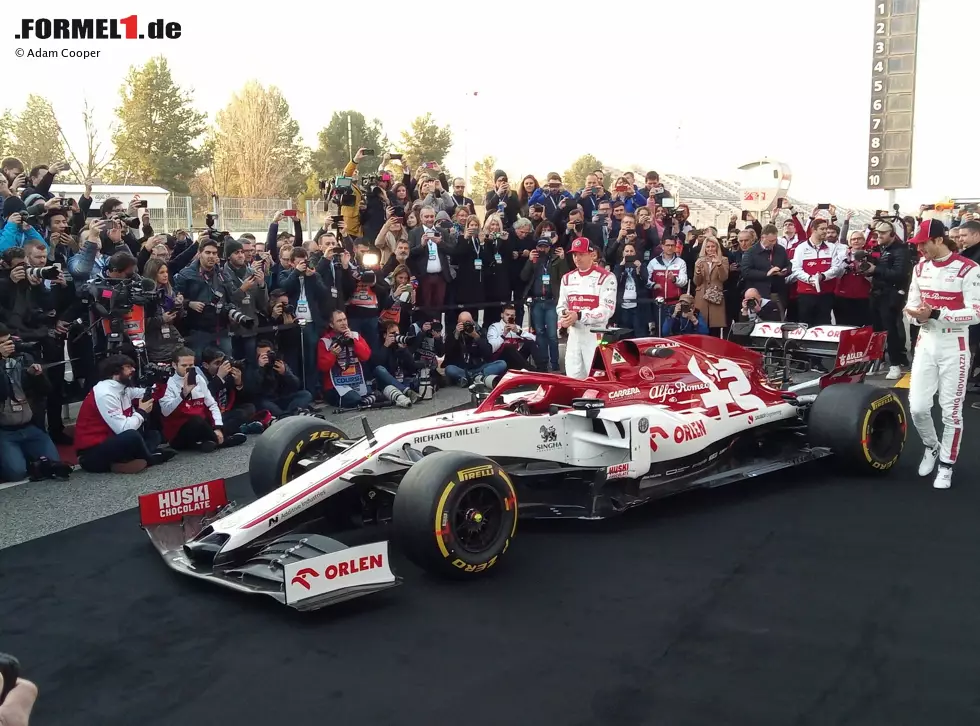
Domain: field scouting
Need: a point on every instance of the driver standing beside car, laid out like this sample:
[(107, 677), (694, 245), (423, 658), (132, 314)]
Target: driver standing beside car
[(586, 299), (944, 299)]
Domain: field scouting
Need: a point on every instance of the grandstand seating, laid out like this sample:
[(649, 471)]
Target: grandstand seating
[(714, 201)]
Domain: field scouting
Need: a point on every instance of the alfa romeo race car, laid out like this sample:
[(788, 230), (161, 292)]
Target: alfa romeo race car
[(655, 417)]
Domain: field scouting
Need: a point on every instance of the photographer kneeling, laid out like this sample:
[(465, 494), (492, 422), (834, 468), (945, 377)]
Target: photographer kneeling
[(110, 432), (685, 320), (468, 354), (273, 385), (512, 344), (340, 356), (24, 448), (226, 382), (757, 309), (191, 417), (395, 370)]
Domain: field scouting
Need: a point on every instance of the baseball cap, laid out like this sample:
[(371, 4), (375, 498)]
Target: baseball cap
[(929, 229), (581, 244)]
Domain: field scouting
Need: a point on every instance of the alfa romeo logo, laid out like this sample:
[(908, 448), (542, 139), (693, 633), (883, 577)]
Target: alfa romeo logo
[(643, 425)]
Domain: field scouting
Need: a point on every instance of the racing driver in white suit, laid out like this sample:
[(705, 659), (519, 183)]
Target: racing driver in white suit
[(944, 298), (586, 299)]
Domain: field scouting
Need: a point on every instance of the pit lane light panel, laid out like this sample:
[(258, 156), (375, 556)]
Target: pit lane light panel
[(892, 94)]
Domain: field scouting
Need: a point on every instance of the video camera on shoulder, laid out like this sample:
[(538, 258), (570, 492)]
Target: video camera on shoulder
[(340, 191), (860, 264)]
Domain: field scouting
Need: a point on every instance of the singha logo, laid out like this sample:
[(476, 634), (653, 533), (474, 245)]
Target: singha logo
[(548, 434)]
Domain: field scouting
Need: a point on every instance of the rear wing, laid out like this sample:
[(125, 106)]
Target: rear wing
[(847, 353)]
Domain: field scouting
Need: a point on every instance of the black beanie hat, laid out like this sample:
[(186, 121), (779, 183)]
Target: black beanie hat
[(12, 205)]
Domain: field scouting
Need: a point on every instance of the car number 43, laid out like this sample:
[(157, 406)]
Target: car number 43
[(726, 385)]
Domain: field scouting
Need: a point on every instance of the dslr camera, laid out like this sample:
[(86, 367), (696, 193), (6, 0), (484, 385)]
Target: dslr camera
[(468, 327), (860, 264), (239, 318), (344, 340), (751, 304), (37, 275), (153, 374)]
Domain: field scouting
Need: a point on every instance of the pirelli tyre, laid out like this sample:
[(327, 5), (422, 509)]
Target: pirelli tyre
[(288, 449), (455, 514), (863, 425)]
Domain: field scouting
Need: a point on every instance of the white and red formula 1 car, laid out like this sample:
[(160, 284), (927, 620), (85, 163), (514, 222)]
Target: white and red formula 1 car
[(656, 417)]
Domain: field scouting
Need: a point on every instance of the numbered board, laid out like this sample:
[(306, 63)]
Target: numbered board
[(892, 94)]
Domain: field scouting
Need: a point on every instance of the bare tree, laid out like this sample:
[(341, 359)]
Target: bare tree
[(96, 160)]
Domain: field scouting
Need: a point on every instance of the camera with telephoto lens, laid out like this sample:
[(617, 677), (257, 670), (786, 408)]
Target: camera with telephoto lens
[(404, 339), (239, 318), (238, 363), (153, 374), (860, 264), (37, 275)]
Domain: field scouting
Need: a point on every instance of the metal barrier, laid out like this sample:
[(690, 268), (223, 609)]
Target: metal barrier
[(177, 215), (238, 215)]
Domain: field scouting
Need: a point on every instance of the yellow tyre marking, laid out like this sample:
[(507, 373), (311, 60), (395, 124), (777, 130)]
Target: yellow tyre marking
[(438, 524), (865, 436), (513, 495), (285, 467)]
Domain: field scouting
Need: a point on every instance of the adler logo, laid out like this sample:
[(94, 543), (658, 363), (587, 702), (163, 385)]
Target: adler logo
[(625, 393), (849, 358)]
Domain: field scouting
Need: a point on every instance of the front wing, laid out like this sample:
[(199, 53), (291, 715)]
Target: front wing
[(303, 571)]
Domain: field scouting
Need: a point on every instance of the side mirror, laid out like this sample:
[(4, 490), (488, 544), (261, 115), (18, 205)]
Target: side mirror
[(591, 406)]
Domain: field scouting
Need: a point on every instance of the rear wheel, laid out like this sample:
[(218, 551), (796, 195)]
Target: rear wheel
[(289, 449), (455, 514), (863, 425)]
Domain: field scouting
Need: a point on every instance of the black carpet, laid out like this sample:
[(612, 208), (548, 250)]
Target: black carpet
[(803, 600)]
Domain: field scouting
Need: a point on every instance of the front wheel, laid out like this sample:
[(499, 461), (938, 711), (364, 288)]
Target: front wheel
[(863, 425), (455, 514), (290, 448)]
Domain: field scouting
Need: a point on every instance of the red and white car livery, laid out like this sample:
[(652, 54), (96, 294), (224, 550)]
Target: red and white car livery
[(655, 417)]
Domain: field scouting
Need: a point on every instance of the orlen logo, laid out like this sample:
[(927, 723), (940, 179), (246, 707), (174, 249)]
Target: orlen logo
[(189, 500), (341, 569), (625, 393), (690, 432)]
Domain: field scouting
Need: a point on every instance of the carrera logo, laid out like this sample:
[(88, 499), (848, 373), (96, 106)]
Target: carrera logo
[(625, 393), (474, 472), (690, 432), (619, 471), (665, 391)]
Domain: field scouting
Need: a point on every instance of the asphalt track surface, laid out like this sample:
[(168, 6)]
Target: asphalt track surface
[(805, 599)]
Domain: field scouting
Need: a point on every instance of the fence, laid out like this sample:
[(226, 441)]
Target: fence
[(177, 215), (238, 215)]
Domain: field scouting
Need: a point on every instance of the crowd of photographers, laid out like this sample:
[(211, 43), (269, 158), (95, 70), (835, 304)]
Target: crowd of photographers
[(183, 343)]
